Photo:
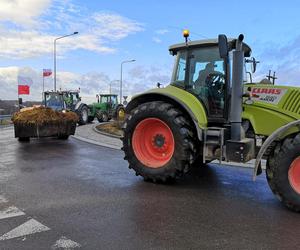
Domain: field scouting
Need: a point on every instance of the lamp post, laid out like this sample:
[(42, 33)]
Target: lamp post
[(74, 33), (127, 61)]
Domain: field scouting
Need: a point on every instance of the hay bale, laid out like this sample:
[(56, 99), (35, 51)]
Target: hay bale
[(43, 116)]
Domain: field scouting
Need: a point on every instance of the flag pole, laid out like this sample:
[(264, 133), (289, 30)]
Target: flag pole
[(43, 87), (18, 93)]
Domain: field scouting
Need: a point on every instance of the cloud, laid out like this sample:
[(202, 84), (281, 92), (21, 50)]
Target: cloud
[(22, 12), (90, 84), (113, 26), (159, 33), (138, 79), (142, 78), (8, 81), (156, 40), (27, 44), (162, 31), (284, 59), (98, 31)]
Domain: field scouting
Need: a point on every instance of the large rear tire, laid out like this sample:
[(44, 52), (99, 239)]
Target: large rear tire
[(82, 112), (283, 172), (158, 141)]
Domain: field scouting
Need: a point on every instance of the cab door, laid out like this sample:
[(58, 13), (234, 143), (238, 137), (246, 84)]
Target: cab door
[(202, 72)]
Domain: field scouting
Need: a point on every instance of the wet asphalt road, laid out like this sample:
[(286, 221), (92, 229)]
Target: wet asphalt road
[(87, 194)]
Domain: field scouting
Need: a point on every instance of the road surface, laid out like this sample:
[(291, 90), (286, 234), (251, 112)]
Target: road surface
[(71, 194)]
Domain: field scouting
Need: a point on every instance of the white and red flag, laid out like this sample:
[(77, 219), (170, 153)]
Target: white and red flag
[(47, 72), (24, 85)]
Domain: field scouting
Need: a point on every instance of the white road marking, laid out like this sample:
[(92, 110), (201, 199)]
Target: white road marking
[(65, 243), (9, 212), (29, 227), (3, 199)]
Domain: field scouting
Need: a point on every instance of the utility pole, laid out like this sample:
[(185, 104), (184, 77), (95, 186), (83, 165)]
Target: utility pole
[(273, 78)]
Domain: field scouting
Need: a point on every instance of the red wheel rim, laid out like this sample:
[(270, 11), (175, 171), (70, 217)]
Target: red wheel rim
[(153, 142), (294, 175)]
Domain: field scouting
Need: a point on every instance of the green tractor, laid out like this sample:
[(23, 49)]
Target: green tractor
[(210, 112), (106, 108), (67, 100)]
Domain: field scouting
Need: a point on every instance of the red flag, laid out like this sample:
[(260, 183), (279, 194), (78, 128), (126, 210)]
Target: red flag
[(24, 85), (47, 72), (23, 89)]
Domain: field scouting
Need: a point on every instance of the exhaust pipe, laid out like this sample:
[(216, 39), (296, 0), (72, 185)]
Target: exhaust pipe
[(236, 108)]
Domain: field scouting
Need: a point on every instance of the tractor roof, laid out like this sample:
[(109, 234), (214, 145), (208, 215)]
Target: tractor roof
[(53, 92), (207, 43), (108, 95), (62, 92)]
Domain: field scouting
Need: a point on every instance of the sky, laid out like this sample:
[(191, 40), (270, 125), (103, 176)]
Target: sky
[(110, 32)]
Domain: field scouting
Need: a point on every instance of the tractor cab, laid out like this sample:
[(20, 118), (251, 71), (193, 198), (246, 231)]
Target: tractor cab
[(54, 100), (111, 101), (61, 99), (200, 70), (71, 99)]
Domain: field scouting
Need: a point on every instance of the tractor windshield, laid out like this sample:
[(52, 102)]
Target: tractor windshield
[(54, 101), (113, 100), (104, 99), (204, 76)]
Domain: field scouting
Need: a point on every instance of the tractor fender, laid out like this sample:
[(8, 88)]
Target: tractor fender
[(275, 135), (79, 105), (150, 96)]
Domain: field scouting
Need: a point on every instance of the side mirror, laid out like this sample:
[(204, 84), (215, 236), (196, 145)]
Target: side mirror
[(253, 65), (223, 46)]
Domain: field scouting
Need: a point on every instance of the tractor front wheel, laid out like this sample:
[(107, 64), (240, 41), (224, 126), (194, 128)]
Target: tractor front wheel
[(90, 119), (158, 141), (102, 116), (83, 115), (120, 113), (283, 172)]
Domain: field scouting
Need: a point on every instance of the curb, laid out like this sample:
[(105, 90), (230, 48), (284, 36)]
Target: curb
[(104, 133), (95, 142)]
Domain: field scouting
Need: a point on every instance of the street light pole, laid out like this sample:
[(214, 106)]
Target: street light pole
[(121, 83), (74, 33)]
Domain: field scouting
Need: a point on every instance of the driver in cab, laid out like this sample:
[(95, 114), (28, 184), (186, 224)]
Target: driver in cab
[(204, 74), (209, 85)]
